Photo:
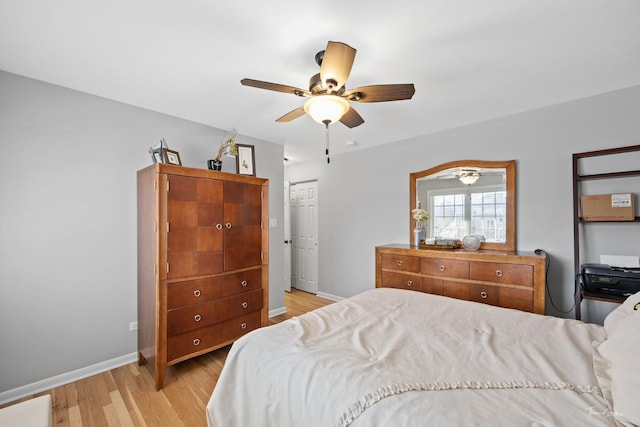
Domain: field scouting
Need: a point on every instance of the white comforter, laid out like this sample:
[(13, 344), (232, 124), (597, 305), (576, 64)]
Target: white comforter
[(391, 357)]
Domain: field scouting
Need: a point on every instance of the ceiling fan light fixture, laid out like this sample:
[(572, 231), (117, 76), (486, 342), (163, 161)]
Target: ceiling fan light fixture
[(323, 108), (469, 178)]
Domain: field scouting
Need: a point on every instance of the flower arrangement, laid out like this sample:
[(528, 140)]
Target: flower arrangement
[(420, 215), (229, 145)]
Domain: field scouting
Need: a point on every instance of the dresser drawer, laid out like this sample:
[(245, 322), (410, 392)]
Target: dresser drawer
[(400, 281), (401, 262), (242, 304), (458, 269), (471, 292), (196, 316), (521, 299), (516, 274), (197, 291), (203, 339), (431, 285)]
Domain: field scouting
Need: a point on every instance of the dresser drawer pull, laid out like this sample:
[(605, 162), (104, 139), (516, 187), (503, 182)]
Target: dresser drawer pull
[(245, 304), (244, 283), (197, 318), (484, 295), (409, 282), (400, 263), (196, 341), (244, 325), (442, 268), (196, 293), (228, 225), (499, 273), (219, 226)]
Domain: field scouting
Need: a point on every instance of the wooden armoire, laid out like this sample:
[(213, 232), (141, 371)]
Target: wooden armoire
[(203, 256)]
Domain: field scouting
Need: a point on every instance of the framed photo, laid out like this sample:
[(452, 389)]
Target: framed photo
[(246, 160), (156, 151), (171, 157)]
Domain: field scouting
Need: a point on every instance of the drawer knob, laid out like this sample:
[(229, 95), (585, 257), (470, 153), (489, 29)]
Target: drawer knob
[(197, 318), (196, 341), (228, 225), (442, 268), (400, 262), (245, 304), (244, 325), (484, 295), (196, 293), (244, 283), (499, 273), (219, 226), (409, 283)]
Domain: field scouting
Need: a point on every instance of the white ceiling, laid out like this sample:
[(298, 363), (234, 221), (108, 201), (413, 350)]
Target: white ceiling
[(470, 60)]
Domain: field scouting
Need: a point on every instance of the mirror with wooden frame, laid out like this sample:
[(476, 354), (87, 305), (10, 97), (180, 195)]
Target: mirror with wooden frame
[(467, 197)]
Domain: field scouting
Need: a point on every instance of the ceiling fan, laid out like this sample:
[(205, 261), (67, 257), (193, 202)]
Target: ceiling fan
[(328, 98)]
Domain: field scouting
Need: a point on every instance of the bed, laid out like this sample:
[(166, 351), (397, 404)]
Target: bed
[(391, 357)]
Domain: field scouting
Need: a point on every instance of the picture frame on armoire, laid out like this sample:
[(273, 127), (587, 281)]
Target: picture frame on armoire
[(171, 157), (246, 160)]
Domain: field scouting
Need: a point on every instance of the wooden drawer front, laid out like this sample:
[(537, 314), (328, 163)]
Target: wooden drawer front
[(192, 317), (401, 262), (516, 274), (472, 292), (520, 299), (431, 285), (457, 290), (400, 281), (242, 304), (486, 294), (235, 328), (445, 267), (197, 291), (203, 339)]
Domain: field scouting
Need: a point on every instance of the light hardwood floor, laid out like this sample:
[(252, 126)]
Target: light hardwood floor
[(126, 396)]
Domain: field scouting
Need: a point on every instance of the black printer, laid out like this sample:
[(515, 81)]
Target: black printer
[(603, 278)]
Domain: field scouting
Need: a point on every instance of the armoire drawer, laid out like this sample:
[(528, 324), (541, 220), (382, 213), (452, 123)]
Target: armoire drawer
[(458, 269), (517, 274), (180, 294), (400, 281), (203, 339), (196, 316), (401, 262)]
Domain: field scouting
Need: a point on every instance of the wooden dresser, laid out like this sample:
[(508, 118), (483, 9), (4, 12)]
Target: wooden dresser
[(506, 279), (202, 262)]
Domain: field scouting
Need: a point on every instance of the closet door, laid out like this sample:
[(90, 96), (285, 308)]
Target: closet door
[(195, 225), (242, 225)]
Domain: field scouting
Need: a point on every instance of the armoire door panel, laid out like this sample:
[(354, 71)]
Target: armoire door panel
[(194, 215)]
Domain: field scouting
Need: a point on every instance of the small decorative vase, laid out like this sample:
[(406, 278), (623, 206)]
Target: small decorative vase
[(471, 243), (214, 165), (416, 236)]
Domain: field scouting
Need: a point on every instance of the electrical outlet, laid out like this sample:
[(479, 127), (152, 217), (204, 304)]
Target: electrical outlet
[(133, 326)]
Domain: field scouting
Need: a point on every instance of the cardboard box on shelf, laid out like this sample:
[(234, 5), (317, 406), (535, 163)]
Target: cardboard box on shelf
[(608, 207)]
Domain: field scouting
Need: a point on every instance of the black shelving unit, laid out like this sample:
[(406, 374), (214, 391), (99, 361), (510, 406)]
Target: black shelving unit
[(580, 293)]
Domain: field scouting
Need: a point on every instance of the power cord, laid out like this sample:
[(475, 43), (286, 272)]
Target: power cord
[(546, 282)]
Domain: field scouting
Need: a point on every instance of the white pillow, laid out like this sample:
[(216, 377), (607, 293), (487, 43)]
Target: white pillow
[(617, 361)]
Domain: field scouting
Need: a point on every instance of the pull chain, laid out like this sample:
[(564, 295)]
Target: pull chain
[(326, 150)]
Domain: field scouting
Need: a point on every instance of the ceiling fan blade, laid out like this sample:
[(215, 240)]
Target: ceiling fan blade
[(291, 115), (351, 118), (381, 93), (336, 65), (275, 87)]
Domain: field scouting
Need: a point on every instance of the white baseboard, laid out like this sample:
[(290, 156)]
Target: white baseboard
[(277, 311), (329, 296), (62, 379)]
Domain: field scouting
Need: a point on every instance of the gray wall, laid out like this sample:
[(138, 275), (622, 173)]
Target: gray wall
[(68, 225), (364, 195)]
